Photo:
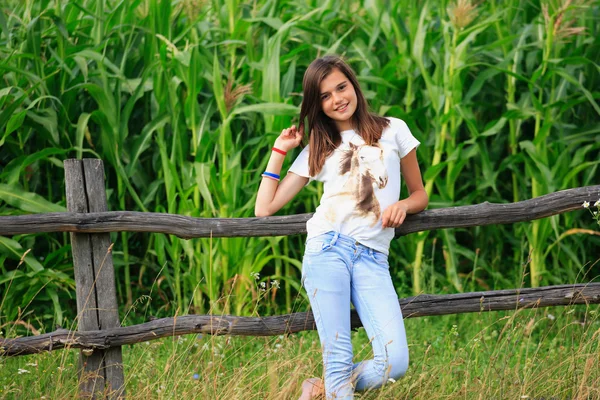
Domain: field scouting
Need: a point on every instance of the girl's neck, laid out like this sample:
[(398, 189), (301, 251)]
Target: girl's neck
[(344, 126)]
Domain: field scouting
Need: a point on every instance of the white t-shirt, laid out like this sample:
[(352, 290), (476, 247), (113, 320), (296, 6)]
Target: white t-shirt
[(359, 183)]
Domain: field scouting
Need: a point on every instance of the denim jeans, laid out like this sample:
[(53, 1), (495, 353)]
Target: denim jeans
[(337, 270)]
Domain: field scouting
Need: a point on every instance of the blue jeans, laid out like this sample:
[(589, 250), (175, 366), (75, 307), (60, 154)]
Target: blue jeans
[(337, 270)]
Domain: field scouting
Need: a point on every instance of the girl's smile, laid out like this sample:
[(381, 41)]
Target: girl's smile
[(342, 108)]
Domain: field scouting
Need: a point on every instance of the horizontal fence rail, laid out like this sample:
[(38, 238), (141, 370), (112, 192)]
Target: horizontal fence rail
[(189, 227), (418, 306)]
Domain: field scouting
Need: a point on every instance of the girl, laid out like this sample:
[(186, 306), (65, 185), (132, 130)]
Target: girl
[(359, 157)]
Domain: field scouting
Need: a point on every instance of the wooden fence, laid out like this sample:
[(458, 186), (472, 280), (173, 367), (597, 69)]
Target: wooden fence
[(100, 335)]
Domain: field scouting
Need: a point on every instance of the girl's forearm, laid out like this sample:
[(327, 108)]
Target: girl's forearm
[(268, 186), (416, 202)]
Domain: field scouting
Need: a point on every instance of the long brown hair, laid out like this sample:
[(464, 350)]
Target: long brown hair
[(324, 136)]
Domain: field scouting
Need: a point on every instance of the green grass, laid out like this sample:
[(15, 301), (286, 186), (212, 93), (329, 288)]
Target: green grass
[(544, 353)]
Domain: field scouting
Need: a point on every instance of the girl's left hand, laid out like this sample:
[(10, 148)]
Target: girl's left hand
[(394, 215)]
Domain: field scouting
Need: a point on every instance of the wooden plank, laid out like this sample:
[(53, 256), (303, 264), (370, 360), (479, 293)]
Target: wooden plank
[(108, 310), (92, 378), (412, 307), (188, 227)]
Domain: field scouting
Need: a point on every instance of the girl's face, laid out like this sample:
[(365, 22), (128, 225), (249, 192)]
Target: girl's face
[(338, 99)]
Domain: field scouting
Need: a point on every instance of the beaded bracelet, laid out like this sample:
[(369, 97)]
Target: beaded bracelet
[(275, 149), (271, 175)]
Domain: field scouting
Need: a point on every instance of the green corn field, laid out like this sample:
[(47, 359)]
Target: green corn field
[(182, 100)]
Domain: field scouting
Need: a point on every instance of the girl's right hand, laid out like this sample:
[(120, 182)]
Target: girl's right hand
[(289, 139)]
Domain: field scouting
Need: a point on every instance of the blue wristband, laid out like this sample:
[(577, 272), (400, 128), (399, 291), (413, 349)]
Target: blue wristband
[(271, 175)]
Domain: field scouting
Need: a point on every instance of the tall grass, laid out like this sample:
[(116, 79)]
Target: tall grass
[(183, 99), (549, 353)]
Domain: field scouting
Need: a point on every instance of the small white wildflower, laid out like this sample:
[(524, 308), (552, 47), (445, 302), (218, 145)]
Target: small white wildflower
[(586, 204), (263, 285), (278, 345), (597, 203), (595, 213), (255, 275), (205, 346), (31, 364), (551, 317), (22, 371), (391, 380), (275, 284), (280, 337)]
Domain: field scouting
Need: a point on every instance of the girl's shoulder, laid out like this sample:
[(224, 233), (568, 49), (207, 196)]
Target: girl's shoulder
[(395, 128), (395, 123), (398, 135)]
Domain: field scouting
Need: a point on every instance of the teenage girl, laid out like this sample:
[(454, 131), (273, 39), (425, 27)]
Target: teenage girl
[(359, 157)]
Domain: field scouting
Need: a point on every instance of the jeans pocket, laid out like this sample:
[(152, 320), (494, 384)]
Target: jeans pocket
[(381, 259), (316, 245)]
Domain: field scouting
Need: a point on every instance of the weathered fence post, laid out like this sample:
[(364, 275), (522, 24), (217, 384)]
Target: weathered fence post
[(101, 372)]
